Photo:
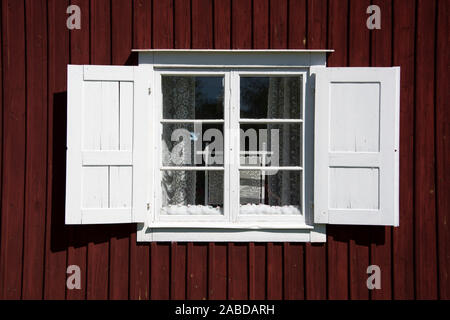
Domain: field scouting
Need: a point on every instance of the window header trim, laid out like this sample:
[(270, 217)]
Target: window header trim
[(234, 50)]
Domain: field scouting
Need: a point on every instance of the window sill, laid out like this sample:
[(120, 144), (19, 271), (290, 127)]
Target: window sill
[(272, 234), (246, 226)]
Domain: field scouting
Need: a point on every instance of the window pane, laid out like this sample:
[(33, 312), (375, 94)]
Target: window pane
[(188, 97), (192, 192), (189, 144), (272, 192), (270, 97), (280, 143)]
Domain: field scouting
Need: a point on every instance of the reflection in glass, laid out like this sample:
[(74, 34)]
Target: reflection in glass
[(188, 97), (192, 192), (273, 192), (189, 144), (271, 144), (270, 97)]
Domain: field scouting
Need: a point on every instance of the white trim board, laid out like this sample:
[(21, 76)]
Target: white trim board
[(232, 58), (230, 235), (234, 50)]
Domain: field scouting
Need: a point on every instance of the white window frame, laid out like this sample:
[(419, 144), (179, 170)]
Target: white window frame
[(157, 219), (231, 217), (231, 226), (273, 221)]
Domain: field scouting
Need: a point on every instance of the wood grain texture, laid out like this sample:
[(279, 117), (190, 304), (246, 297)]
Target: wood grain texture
[(1, 134), (35, 245), (222, 24), (278, 24), (315, 272), (160, 271), (139, 270), (202, 24), (162, 24), (257, 263), (261, 24), (217, 271), (36, 177), (403, 236), (56, 241), (424, 150), (274, 271), (237, 271), (443, 148), (297, 24), (14, 149), (142, 24), (293, 271), (178, 269), (241, 24), (182, 24), (317, 29), (197, 271)]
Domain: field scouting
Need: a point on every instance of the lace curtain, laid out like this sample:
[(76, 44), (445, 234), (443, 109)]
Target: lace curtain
[(179, 101), (283, 102), (179, 187)]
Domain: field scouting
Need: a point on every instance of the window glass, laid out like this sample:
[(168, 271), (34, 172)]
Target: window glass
[(271, 144), (192, 144), (192, 97), (192, 136), (270, 97), (192, 192), (270, 192)]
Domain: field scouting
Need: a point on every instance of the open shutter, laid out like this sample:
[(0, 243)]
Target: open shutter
[(356, 146), (106, 159)]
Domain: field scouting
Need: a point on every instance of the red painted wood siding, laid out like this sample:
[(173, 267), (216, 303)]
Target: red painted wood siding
[(36, 246)]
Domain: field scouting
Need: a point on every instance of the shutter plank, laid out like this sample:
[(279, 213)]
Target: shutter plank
[(92, 114), (126, 116), (73, 170), (109, 116), (95, 187), (120, 179)]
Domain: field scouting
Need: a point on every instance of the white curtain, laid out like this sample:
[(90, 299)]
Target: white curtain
[(179, 101), (179, 187), (283, 102)]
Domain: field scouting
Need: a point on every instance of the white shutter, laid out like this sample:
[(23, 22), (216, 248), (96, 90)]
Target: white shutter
[(106, 159), (356, 146)]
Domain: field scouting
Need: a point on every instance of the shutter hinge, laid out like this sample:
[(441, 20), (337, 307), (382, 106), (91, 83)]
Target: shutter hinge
[(149, 91), (148, 206)]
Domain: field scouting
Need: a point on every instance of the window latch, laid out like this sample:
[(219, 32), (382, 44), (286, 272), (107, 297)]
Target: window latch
[(149, 91)]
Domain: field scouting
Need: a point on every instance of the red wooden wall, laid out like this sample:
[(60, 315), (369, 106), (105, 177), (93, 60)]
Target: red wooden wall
[(36, 247)]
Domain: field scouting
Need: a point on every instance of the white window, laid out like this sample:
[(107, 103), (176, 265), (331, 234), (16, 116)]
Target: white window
[(232, 145)]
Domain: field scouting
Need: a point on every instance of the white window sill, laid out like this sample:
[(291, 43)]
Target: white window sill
[(250, 226), (304, 234)]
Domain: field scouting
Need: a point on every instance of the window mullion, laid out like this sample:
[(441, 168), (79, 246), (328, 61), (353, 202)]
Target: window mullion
[(234, 146)]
